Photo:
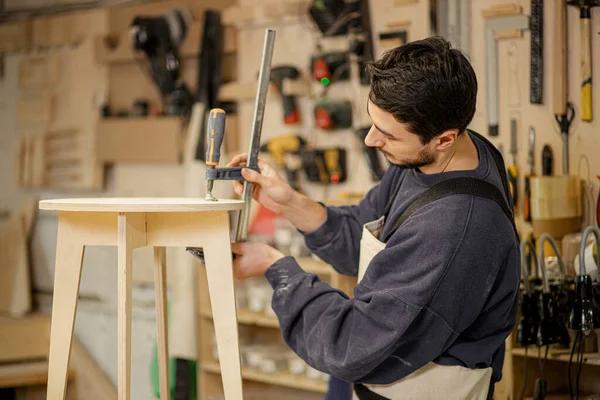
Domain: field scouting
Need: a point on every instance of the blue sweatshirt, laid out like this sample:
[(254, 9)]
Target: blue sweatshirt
[(444, 289)]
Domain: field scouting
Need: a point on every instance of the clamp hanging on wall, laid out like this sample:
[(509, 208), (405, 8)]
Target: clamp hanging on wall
[(454, 23), (514, 22)]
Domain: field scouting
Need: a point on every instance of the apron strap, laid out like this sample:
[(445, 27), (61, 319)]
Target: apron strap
[(471, 186), (499, 161)]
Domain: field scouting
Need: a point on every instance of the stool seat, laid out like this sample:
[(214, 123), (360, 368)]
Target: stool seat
[(140, 204), (129, 223)]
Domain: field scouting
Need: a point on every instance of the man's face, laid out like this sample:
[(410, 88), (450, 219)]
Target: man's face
[(399, 146)]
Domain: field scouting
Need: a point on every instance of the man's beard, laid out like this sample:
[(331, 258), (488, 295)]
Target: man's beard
[(423, 159)]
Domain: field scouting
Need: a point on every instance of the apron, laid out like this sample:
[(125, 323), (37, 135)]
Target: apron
[(432, 381)]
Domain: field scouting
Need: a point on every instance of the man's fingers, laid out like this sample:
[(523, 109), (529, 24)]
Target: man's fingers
[(239, 248), (237, 160), (238, 187), (253, 176)]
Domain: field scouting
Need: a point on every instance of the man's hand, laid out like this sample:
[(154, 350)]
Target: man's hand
[(274, 193), (270, 189), (253, 259)]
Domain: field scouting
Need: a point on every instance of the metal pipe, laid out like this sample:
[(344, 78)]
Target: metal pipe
[(264, 76), (542, 261), (525, 266), (586, 233)]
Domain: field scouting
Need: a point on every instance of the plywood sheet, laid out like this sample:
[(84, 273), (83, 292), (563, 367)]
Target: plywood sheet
[(26, 338), (14, 36), (39, 72), (139, 140)]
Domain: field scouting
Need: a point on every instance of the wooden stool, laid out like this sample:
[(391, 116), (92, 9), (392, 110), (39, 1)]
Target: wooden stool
[(130, 223)]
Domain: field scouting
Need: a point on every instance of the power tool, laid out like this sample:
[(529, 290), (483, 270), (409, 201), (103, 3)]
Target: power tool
[(339, 17), (158, 38), (330, 115), (291, 115), (282, 146), (325, 165), (371, 155), (330, 67)]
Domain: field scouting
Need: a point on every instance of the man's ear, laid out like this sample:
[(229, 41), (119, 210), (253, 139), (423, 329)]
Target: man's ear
[(446, 139)]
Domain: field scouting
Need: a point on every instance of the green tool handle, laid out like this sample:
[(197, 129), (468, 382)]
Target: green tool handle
[(214, 137)]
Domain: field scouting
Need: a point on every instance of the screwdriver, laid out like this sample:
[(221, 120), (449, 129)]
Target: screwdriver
[(214, 139)]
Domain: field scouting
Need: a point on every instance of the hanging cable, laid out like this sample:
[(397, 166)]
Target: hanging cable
[(580, 364), (575, 343), (524, 375)]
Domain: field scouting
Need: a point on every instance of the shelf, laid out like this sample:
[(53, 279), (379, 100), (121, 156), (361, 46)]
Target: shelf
[(562, 355), (248, 317), (279, 379), (265, 12), (118, 49), (246, 91)]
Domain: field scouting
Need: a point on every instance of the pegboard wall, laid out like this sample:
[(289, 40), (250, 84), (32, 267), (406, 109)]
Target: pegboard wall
[(296, 41)]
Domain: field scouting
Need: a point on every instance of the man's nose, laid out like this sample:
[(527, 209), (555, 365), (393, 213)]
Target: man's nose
[(373, 138)]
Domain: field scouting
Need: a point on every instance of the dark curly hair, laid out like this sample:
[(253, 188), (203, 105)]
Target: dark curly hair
[(427, 85)]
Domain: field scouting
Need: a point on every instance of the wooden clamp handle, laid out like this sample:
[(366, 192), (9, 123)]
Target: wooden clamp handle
[(560, 58)]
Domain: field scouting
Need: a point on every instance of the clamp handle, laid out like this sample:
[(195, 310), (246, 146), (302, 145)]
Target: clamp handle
[(215, 133)]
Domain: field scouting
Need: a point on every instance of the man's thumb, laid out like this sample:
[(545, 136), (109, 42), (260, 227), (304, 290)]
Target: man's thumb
[(252, 176)]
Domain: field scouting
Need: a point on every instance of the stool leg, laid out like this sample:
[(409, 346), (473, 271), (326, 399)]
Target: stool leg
[(219, 271), (67, 275), (160, 290), (131, 234)]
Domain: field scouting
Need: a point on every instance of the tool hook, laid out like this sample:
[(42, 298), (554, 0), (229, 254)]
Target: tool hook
[(564, 121)]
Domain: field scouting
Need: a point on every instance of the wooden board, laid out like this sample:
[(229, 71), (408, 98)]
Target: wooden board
[(25, 374), (139, 140), (15, 36), (118, 49), (266, 11), (92, 382), (64, 29), (15, 284), (120, 18), (39, 72), (25, 338), (140, 204), (53, 159), (37, 110)]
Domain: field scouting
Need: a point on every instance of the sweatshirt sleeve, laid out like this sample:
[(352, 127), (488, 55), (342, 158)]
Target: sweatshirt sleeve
[(337, 241), (395, 309)]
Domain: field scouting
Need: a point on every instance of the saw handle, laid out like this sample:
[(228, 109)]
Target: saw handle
[(214, 137), (586, 64)]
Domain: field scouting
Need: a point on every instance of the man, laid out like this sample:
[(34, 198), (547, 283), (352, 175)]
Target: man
[(438, 273)]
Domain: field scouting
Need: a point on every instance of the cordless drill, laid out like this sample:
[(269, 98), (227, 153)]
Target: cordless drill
[(282, 146), (291, 115)]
